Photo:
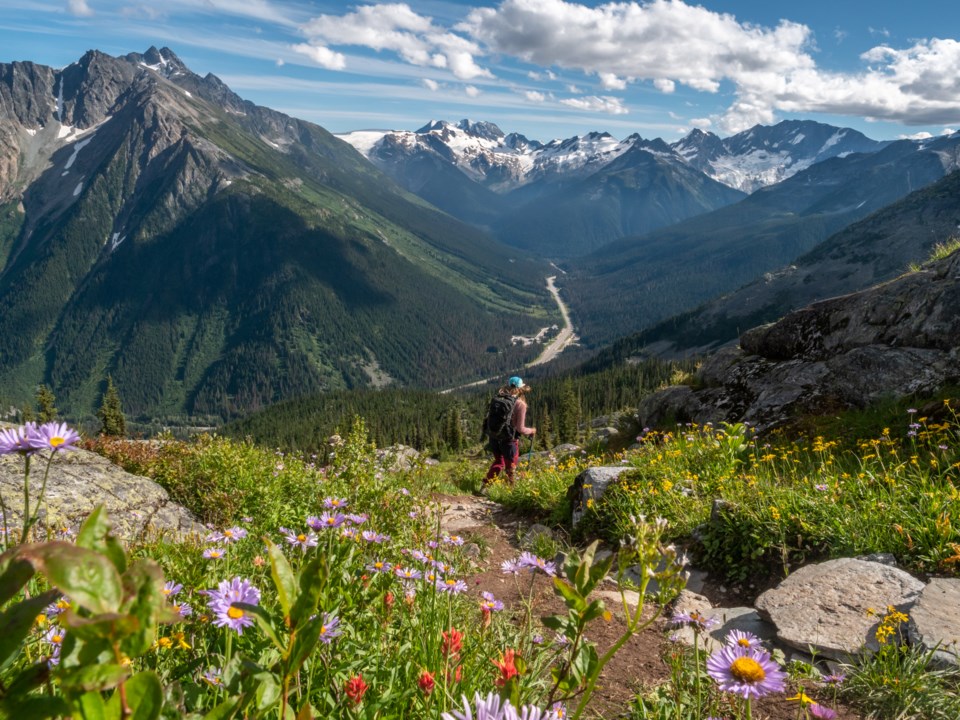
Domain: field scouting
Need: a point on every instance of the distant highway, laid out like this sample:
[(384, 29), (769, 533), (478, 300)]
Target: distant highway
[(566, 335)]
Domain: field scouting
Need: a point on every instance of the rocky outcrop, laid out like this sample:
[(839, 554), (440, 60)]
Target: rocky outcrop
[(834, 607), (78, 482), (589, 486), (934, 624), (897, 339)]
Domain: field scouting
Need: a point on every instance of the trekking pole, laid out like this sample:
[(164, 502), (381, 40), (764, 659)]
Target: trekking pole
[(533, 439)]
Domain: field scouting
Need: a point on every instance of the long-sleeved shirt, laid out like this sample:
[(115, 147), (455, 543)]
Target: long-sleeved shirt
[(520, 418)]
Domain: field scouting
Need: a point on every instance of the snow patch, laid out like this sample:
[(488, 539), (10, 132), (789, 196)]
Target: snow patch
[(59, 99), (116, 240), (64, 131), (187, 93), (78, 188), (363, 141), (797, 139), (30, 131), (832, 140), (76, 151)]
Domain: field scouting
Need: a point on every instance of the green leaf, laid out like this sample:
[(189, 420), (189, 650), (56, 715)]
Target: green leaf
[(581, 579), (93, 677), (267, 691), (36, 707), (144, 697), (304, 643), (90, 579), (90, 706), (312, 579), (144, 600), (95, 535), (15, 573), (25, 683), (569, 594), (263, 620), (16, 622), (594, 610), (555, 622), (597, 573), (283, 578), (225, 710)]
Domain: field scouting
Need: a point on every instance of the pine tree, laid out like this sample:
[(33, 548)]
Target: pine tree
[(568, 414), (110, 414), (46, 404), (545, 429)]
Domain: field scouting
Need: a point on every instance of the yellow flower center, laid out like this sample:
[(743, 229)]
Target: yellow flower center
[(301, 537), (323, 629), (56, 441), (748, 670), (228, 533), (743, 642), (56, 639), (235, 613)]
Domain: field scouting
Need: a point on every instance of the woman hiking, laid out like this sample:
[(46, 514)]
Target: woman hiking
[(505, 423)]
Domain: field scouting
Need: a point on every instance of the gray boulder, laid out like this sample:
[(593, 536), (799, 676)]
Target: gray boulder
[(79, 481), (934, 622), (590, 485), (835, 607)]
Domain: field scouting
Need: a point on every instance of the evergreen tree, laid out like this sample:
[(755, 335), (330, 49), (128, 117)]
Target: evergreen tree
[(545, 429), (46, 404), (568, 413), (110, 414)]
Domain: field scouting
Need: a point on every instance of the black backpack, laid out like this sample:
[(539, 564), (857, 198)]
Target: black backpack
[(499, 421)]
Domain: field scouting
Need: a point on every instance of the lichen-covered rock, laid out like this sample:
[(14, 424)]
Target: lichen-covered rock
[(79, 481), (897, 339), (934, 622), (590, 485), (835, 607)]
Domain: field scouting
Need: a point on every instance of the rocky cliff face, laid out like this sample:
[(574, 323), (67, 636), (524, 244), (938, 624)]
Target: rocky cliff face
[(897, 339)]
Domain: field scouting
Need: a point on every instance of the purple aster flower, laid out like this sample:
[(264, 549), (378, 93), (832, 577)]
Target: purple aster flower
[(531, 561), (418, 555), (331, 520), (357, 519), (404, 491), (451, 586), (212, 676), (912, 411), (348, 532), (303, 540), (314, 522), (407, 573), (379, 566), (490, 603), (557, 711), (836, 679), (433, 544), (511, 567), (214, 553), (484, 708), (372, 537), (184, 610), (330, 628), (332, 503), (18, 440), (742, 638), (412, 514), (821, 712), (455, 540), (822, 487), (171, 588), (54, 436), (222, 603), (537, 639), (695, 619), (442, 567), (229, 535), (748, 672)]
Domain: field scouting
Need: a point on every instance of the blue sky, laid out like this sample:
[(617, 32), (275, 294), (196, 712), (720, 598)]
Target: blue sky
[(545, 68)]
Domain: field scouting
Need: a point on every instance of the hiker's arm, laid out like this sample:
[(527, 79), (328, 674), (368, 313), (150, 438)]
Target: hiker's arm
[(519, 418)]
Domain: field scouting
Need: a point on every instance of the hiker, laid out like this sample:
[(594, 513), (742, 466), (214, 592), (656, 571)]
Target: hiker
[(504, 424)]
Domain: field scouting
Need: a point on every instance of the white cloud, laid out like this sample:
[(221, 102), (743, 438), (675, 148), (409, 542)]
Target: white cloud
[(664, 85), (609, 81), (471, 91), (79, 8), (395, 27), (322, 56), (883, 32), (534, 96), (915, 136), (574, 89), (431, 85), (701, 123), (607, 104), (280, 62), (769, 69), (839, 35)]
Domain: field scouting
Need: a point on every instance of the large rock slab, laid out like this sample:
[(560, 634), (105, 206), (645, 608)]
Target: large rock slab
[(590, 485), (935, 623), (733, 618), (835, 607), (79, 481)]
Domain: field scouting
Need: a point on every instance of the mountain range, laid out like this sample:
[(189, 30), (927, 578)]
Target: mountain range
[(213, 256)]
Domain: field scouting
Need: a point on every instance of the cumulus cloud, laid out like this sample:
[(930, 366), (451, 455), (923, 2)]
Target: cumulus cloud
[(607, 104), (534, 96), (322, 56), (395, 27), (471, 91), (916, 136), (79, 8), (769, 69), (431, 85), (702, 123), (664, 85)]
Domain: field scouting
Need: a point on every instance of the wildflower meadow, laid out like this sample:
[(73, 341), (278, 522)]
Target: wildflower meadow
[(335, 592)]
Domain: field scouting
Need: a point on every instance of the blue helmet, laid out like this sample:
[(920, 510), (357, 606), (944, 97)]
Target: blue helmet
[(515, 382)]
